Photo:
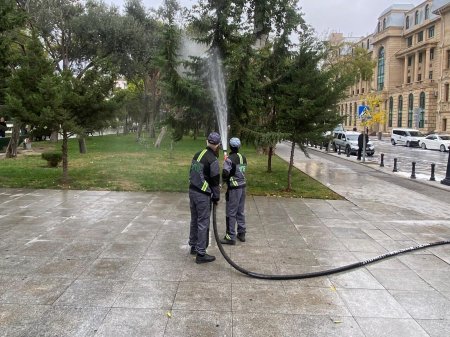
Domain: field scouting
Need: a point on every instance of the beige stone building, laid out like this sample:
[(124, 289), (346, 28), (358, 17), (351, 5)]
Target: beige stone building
[(411, 50)]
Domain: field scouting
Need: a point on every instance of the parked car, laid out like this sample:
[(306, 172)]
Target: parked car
[(408, 137), (348, 141), (439, 142)]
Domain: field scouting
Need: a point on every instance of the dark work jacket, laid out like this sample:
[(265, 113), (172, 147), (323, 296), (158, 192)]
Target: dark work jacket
[(233, 172), (204, 174), (360, 140)]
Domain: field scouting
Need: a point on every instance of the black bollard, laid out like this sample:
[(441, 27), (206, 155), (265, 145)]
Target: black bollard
[(348, 152), (339, 150), (432, 178), (446, 181), (382, 160), (395, 165), (413, 173)]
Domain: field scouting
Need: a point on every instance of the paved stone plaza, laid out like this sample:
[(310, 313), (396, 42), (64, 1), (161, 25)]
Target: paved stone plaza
[(99, 263)]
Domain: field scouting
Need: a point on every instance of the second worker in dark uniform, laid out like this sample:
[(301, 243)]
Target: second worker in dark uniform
[(233, 174)]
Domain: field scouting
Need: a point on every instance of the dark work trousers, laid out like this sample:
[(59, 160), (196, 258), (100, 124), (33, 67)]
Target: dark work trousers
[(235, 211), (200, 205), (359, 152)]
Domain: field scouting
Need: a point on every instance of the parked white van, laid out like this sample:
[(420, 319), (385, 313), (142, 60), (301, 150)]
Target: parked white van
[(408, 137)]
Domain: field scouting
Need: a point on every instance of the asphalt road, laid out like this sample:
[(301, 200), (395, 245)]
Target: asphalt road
[(370, 169)]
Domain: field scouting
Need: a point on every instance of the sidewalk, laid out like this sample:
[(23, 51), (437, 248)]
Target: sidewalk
[(99, 263)]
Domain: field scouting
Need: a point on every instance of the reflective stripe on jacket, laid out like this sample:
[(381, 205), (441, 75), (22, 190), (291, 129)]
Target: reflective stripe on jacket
[(233, 172), (204, 174)]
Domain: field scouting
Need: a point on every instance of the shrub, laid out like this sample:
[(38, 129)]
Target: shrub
[(52, 158)]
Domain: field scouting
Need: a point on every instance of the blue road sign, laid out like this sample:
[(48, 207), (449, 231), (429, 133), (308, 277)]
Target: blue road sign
[(362, 110)]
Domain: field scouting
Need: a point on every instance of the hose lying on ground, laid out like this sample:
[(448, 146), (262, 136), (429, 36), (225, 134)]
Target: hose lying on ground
[(318, 273)]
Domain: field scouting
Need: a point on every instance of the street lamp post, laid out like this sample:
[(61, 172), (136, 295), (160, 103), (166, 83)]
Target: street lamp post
[(446, 181)]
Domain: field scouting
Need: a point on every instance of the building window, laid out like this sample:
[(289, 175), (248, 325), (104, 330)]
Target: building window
[(422, 110), (379, 26), (407, 22), (420, 57), (431, 32), (400, 111), (416, 18), (368, 44), (380, 74), (362, 90), (419, 77), (409, 41), (408, 80), (391, 110), (409, 61), (444, 124), (446, 92), (384, 23), (355, 110), (448, 59), (431, 54), (410, 110), (427, 12), (430, 75), (420, 36)]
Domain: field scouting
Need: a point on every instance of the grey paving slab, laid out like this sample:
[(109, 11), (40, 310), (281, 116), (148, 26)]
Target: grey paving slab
[(132, 322), (381, 327), (101, 263)]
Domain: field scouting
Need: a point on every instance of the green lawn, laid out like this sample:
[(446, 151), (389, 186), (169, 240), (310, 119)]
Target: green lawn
[(120, 163)]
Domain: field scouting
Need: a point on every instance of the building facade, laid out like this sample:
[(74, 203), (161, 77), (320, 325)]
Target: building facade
[(411, 52)]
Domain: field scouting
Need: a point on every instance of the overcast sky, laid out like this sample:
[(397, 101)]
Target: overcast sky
[(351, 17)]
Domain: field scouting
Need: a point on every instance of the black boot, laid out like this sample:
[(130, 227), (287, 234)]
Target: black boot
[(204, 258), (241, 237), (193, 251), (227, 240)]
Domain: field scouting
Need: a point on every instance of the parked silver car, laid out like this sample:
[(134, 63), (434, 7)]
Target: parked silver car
[(348, 141)]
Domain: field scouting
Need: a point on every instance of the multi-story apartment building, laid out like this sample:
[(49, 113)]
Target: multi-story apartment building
[(411, 50)]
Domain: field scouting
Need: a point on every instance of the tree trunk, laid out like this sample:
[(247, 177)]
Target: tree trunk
[(65, 157), (82, 144), (291, 164), (11, 150), (160, 137), (269, 159), (54, 136)]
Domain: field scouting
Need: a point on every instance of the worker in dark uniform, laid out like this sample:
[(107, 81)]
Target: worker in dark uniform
[(204, 187), (361, 138), (233, 174)]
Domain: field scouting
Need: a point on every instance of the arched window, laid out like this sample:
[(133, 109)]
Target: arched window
[(384, 23), (422, 110), (407, 22), (380, 73), (400, 111), (410, 110), (391, 109), (416, 18), (427, 12)]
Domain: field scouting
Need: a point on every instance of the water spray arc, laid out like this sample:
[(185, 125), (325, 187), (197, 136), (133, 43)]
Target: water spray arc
[(218, 90)]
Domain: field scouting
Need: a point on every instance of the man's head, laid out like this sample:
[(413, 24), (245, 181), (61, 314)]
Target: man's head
[(213, 140), (235, 144)]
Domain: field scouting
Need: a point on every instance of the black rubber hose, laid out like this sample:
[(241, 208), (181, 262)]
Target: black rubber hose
[(318, 273)]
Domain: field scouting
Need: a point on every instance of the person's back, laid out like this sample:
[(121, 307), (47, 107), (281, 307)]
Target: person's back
[(204, 187)]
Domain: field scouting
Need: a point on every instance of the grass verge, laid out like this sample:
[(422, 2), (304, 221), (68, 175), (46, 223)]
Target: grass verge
[(119, 163)]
